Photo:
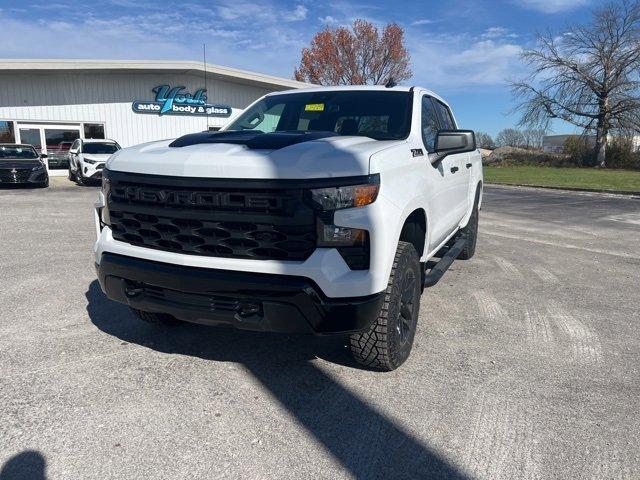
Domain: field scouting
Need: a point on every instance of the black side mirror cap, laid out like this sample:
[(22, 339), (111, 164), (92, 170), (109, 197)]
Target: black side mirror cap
[(450, 142), (44, 155)]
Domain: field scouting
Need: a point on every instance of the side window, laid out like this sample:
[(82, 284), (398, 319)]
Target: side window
[(429, 123), (446, 119), (74, 145)]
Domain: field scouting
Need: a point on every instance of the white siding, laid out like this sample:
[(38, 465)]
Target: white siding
[(105, 97)]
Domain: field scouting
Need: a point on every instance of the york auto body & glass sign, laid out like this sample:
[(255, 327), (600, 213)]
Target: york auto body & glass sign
[(178, 101)]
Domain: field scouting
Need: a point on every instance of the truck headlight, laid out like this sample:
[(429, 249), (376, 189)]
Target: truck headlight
[(38, 167), (337, 198), (89, 160), (103, 212)]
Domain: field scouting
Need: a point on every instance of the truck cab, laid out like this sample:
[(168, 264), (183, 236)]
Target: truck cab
[(321, 210)]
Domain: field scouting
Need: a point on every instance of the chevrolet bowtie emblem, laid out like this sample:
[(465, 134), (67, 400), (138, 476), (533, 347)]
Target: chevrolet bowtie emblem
[(14, 171)]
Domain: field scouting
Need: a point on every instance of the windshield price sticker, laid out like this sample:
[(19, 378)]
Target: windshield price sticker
[(314, 107)]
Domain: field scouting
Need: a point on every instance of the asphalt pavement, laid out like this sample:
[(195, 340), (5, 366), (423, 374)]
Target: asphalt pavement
[(525, 364)]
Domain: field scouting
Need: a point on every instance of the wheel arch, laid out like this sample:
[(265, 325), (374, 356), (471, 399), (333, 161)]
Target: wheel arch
[(414, 230)]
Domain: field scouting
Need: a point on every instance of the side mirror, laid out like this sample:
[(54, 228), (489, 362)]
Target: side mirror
[(449, 142), (44, 155)]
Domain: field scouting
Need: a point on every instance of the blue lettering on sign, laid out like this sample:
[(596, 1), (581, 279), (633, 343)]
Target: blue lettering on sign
[(178, 101)]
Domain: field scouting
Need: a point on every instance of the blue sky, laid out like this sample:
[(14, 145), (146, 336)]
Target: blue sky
[(464, 50)]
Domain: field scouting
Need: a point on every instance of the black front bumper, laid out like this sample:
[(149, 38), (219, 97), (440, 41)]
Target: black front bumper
[(252, 301)]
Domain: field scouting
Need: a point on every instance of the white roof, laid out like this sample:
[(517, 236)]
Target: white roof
[(397, 88), (98, 140), (214, 71)]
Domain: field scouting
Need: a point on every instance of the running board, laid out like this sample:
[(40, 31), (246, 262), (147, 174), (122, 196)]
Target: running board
[(434, 274)]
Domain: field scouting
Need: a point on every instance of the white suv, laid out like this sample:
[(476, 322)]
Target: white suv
[(318, 210), (88, 157)]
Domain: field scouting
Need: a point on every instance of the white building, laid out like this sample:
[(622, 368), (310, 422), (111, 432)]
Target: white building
[(556, 143), (50, 103)]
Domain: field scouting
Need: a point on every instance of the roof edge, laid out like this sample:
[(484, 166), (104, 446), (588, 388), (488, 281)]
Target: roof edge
[(11, 64)]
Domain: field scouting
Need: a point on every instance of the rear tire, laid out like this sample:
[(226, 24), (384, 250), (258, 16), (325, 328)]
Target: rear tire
[(388, 341), (156, 318), (471, 234)]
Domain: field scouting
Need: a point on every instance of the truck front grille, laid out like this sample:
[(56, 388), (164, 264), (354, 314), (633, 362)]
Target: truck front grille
[(211, 217)]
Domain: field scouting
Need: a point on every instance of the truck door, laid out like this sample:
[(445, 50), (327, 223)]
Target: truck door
[(443, 180), (458, 166)]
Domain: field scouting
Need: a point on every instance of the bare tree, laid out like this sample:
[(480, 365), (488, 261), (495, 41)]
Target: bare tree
[(533, 138), (588, 76), (510, 137), (356, 56), (484, 140)]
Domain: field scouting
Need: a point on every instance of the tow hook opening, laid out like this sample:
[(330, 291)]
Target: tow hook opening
[(133, 289)]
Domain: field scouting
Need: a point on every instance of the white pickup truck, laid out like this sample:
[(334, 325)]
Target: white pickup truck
[(322, 210)]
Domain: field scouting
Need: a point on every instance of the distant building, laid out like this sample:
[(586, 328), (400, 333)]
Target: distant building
[(556, 143)]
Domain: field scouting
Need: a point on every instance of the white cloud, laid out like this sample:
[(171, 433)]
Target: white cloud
[(230, 37), (498, 32), (459, 62), (328, 20), (552, 6), (422, 21), (299, 13)]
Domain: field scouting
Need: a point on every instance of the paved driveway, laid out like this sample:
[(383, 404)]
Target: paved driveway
[(525, 365)]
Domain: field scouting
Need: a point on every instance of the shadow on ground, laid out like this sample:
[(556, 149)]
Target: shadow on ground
[(367, 443), (27, 465)]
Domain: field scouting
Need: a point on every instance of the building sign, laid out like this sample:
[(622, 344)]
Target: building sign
[(178, 101)]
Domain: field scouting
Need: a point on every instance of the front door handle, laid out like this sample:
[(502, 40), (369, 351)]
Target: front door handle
[(469, 165), (454, 169)]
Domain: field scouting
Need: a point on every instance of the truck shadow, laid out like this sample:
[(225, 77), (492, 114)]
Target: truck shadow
[(367, 443), (26, 465)]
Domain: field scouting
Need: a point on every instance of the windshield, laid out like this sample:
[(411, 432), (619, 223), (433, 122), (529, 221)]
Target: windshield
[(19, 152), (98, 148), (381, 115)]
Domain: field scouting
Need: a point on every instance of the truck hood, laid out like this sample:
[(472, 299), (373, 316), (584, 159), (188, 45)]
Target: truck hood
[(334, 156)]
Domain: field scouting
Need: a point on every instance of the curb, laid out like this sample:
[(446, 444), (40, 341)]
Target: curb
[(569, 189)]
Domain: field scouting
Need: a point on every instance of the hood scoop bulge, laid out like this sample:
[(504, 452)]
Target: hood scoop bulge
[(255, 140)]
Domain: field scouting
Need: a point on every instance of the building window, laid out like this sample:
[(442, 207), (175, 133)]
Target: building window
[(6, 132), (93, 130)]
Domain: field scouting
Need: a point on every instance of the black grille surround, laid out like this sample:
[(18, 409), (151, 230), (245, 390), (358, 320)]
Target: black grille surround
[(234, 218), (21, 175)]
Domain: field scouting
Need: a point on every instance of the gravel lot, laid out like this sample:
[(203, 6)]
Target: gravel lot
[(526, 363)]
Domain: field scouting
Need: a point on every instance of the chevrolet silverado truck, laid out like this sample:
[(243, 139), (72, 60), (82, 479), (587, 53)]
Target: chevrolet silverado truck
[(321, 210)]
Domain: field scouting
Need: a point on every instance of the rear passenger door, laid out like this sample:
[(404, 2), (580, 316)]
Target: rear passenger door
[(457, 165)]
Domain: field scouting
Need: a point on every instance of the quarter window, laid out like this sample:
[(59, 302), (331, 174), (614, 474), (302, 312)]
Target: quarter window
[(429, 124)]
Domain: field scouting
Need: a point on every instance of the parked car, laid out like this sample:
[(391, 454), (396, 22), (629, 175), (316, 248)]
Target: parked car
[(87, 158), (318, 210), (58, 155), (21, 164)]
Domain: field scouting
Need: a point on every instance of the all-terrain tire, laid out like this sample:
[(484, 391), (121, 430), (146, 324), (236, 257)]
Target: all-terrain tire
[(156, 318), (387, 343), (470, 232)]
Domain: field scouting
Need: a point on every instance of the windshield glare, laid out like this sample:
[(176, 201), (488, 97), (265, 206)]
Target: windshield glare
[(381, 115), (100, 148), (26, 153)]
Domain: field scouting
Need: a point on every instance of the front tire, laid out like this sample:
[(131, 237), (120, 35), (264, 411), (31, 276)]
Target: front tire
[(155, 318), (80, 180), (388, 341)]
